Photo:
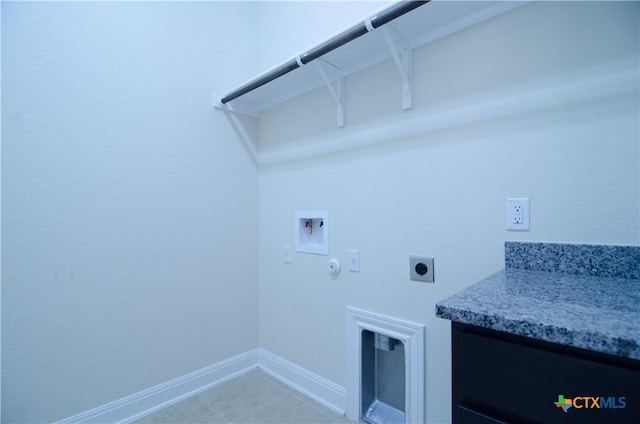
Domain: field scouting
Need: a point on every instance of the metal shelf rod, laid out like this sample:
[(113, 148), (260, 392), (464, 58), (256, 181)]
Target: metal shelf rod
[(358, 30)]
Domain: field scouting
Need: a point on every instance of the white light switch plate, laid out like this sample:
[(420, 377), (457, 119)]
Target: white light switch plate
[(286, 254)]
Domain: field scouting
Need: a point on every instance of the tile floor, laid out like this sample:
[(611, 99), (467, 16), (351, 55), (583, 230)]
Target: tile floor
[(252, 398)]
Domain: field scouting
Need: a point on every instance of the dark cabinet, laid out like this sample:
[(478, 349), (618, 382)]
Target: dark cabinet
[(503, 378)]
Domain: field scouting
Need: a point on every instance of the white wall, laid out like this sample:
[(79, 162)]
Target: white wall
[(541, 102), (130, 208), (129, 205), (288, 28)]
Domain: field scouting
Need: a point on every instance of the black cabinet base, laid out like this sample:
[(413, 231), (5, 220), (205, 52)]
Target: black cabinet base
[(502, 378)]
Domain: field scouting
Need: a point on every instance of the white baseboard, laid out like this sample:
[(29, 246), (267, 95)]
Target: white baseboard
[(323, 391), (137, 405)]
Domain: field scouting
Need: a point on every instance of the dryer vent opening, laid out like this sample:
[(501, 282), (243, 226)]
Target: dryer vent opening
[(382, 379), (385, 369)]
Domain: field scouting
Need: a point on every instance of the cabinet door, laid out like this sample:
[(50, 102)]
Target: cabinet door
[(521, 383)]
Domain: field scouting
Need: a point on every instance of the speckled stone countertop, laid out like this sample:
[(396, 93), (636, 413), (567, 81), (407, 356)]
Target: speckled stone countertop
[(559, 293)]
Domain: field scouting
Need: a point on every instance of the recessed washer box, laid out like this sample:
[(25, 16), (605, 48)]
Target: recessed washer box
[(312, 232)]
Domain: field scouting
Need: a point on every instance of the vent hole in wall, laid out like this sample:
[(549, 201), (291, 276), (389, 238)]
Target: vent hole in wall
[(382, 379)]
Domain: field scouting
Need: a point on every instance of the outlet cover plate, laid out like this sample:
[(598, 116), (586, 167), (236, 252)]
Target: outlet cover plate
[(424, 264), (518, 214), (286, 254), (354, 260)]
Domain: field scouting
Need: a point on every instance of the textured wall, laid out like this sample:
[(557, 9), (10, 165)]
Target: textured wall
[(129, 206), (541, 102)]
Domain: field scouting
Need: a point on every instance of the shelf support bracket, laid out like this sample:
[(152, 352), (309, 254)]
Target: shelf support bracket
[(332, 75), (401, 53), (233, 116)]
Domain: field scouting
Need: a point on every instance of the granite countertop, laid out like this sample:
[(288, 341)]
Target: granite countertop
[(571, 302)]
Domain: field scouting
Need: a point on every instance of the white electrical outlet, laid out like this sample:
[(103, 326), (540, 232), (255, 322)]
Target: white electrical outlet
[(518, 214), (354, 260)]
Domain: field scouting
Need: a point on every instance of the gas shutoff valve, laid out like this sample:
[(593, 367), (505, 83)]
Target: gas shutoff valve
[(333, 267)]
